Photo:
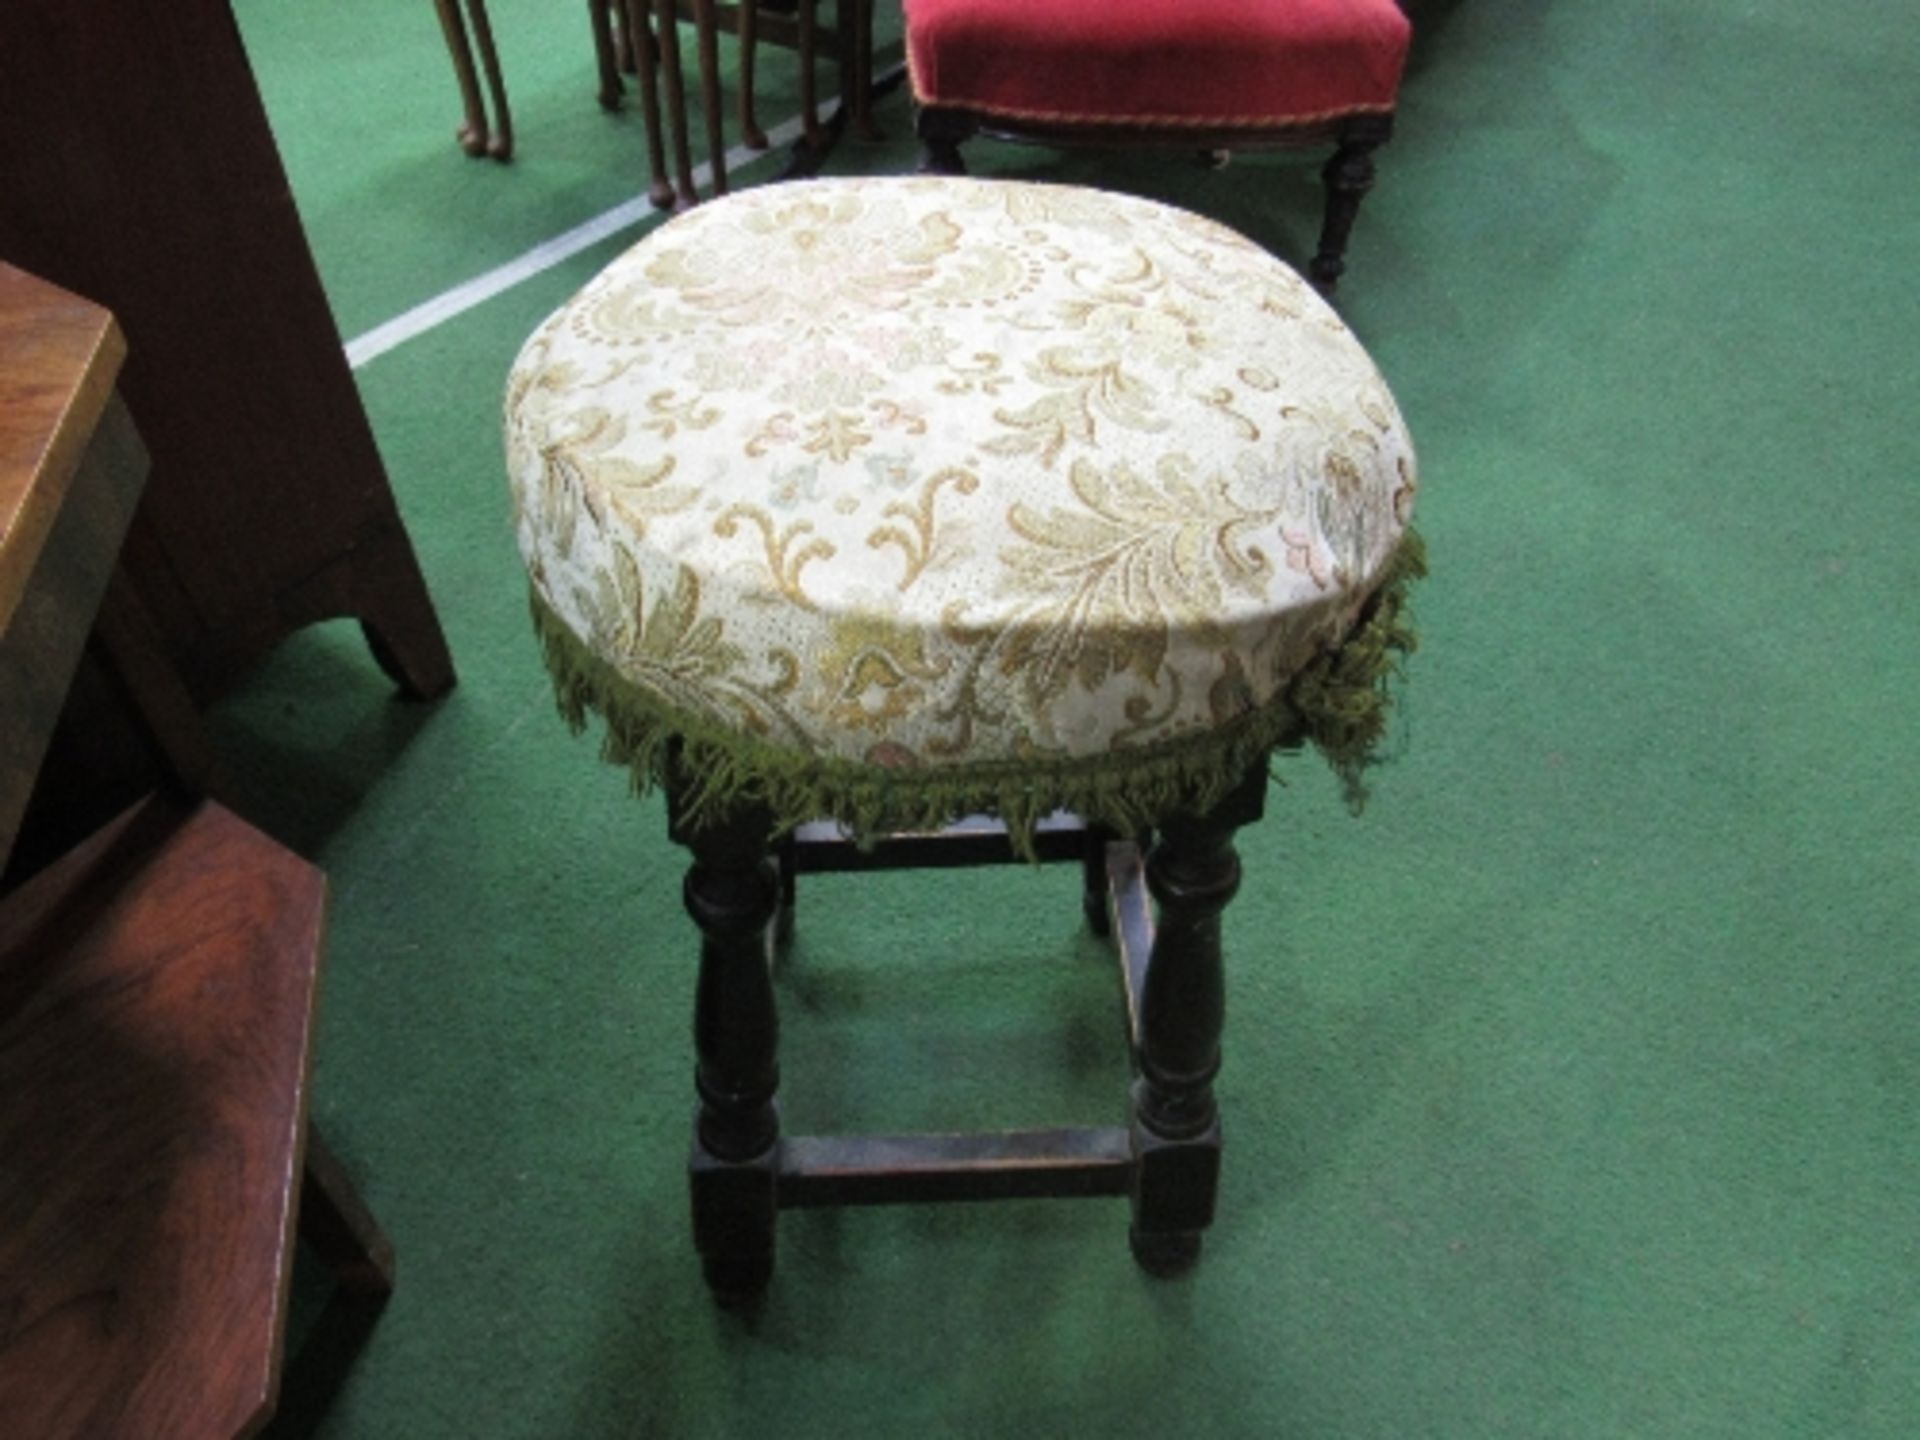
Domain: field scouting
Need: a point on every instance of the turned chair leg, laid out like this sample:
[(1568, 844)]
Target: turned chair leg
[(605, 56), (733, 894), (812, 135), (941, 134), (1348, 176), (751, 135), (667, 43), (1192, 872), (473, 124), (646, 74), (500, 143)]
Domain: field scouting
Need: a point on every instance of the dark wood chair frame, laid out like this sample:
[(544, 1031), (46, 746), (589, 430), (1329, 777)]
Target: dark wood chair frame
[(641, 38), (1348, 175), (740, 891)]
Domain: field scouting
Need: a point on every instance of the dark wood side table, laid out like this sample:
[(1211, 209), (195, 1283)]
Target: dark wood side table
[(138, 170), (157, 985)]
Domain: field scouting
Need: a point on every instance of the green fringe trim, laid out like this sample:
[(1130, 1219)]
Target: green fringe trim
[(1339, 701)]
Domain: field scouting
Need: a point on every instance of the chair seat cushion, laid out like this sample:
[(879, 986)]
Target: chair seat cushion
[(1229, 64), (926, 485)]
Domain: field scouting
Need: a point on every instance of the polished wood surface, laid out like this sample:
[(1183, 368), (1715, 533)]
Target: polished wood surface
[(156, 983), (59, 356), (156, 999), (71, 470)]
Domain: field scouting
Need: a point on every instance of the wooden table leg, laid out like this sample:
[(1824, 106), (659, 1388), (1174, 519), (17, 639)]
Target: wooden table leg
[(336, 1222), (137, 658)]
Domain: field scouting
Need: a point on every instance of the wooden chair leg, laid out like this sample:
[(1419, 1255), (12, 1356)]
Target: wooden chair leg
[(941, 133), (751, 134), (667, 35), (1192, 872), (732, 892), (646, 61), (812, 135), (600, 19), (336, 1222), (707, 33), (500, 144), (1348, 176), (867, 127), (473, 127)]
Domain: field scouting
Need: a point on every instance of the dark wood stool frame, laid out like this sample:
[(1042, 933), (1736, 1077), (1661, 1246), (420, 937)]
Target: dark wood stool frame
[(740, 891), (1348, 175)]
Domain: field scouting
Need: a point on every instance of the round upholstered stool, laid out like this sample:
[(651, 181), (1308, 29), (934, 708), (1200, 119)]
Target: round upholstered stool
[(890, 502)]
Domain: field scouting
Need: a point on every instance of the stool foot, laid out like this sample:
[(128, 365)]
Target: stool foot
[(738, 1282), (1165, 1255), (1174, 1184), (735, 1206)]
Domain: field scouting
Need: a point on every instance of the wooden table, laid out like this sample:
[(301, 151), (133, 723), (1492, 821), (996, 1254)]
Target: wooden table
[(71, 468), (157, 986), (138, 169)]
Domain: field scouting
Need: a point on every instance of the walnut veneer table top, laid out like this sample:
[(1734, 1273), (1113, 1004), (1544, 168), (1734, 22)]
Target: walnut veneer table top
[(59, 356)]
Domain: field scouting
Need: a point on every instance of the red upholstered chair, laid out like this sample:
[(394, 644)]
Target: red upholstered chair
[(1200, 74)]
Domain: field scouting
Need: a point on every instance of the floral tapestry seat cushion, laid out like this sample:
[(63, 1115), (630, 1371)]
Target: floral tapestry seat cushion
[(898, 498), (1158, 63)]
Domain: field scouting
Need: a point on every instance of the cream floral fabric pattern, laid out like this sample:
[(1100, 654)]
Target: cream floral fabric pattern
[(936, 472)]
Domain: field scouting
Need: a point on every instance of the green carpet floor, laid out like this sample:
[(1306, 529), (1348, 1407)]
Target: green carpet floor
[(1572, 1091)]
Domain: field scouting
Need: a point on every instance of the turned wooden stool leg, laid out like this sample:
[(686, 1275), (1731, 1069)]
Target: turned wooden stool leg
[(1093, 880), (732, 892), (789, 892), (1192, 872)]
